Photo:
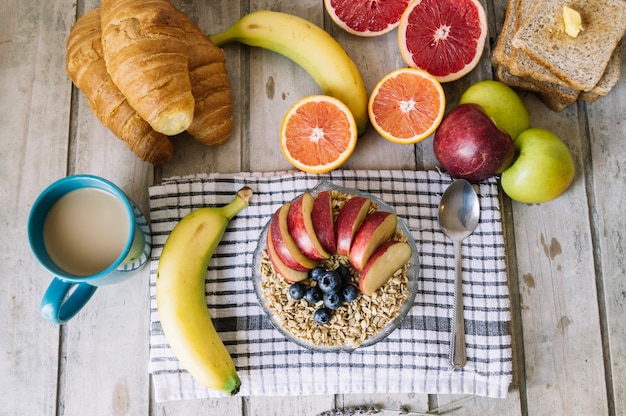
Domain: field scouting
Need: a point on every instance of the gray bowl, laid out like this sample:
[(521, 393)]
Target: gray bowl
[(413, 274)]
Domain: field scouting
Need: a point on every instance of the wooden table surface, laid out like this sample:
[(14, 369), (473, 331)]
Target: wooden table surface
[(565, 257)]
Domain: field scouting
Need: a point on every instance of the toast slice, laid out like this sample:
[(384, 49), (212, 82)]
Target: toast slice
[(612, 73), (581, 61), (504, 57), (523, 65), (501, 55)]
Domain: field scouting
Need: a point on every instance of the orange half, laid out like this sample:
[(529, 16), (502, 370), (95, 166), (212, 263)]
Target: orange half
[(318, 134), (407, 105)]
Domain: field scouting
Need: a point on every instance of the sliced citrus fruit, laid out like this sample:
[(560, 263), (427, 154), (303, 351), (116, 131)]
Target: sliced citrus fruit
[(443, 37), (318, 134), (407, 105), (366, 17)]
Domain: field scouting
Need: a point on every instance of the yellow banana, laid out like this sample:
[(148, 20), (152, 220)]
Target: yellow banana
[(309, 46), (180, 294)]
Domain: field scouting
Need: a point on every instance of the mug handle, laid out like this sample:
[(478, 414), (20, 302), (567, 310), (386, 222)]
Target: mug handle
[(57, 307)]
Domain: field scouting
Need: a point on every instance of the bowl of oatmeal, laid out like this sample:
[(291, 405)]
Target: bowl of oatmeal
[(356, 323)]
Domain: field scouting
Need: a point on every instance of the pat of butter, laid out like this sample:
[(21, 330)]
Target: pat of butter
[(573, 22)]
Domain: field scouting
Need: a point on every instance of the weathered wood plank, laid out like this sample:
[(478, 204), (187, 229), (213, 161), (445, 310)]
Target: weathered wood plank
[(562, 345), (375, 57), (292, 406), (104, 358), (34, 118), (191, 157), (101, 341), (274, 84), (607, 130), (559, 246)]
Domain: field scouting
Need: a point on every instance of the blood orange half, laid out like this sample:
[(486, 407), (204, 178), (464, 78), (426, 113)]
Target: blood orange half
[(318, 134), (443, 37), (366, 17), (406, 105)]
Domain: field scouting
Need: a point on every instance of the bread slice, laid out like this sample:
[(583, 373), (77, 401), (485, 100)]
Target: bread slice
[(501, 55), (611, 74), (555, 95), (523, 65), (581, 61)]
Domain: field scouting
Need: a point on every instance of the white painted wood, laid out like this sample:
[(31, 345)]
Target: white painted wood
[(566, 267), (34, 120), (275, 84), (607, 130), (375, 58), (190, 157), (562, 346)]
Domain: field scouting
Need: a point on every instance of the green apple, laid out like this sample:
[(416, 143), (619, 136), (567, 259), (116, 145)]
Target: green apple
[(543, 168), (500, 103)]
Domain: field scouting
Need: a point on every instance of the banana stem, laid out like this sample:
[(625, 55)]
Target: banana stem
[(222, 38), (242, 199)]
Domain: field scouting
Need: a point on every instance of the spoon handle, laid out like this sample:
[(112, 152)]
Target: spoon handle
[(457, 341)]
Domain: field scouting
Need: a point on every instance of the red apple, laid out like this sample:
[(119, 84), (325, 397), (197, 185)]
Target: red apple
[(376, 229), (384, 262), (323, 221), (349, 219), (469, 145), (300, 227), (287, 273), (286, 248)]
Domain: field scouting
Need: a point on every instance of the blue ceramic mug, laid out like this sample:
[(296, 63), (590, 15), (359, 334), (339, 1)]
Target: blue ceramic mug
[(87, 233)]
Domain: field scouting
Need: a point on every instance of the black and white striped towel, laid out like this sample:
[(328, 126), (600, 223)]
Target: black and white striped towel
[(414, 358)]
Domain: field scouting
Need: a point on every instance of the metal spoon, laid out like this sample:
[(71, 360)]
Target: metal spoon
[(459, 212)]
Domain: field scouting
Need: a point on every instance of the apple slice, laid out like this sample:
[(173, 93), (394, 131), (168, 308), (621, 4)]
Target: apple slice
[(284, 245), (287, 273), (376, 229), (300, 225), (349, 219), (323, 221), (384, 262)]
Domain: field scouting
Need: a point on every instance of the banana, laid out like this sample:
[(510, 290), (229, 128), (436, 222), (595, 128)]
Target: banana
[(309, 46), (180, 294)]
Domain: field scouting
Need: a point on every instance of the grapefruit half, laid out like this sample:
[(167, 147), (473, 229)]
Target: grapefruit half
[(366, 17), (444, 37)]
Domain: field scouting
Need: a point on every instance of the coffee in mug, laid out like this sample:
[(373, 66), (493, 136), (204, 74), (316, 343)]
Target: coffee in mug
[(87, 233)]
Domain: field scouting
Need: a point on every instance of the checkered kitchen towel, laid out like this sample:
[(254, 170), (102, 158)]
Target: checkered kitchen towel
[(414, 358)]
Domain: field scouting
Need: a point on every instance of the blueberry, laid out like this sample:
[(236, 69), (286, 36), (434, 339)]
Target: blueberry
[(297, 291), (350, 292), (322, 316), (344, 272), (329, 281), (333, 300), (316, 272), (313, 294)]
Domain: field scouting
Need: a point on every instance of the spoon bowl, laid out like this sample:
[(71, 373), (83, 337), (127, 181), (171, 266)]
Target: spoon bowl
[(459, 214)]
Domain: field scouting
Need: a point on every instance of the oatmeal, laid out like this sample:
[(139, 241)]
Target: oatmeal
[(351, 323)]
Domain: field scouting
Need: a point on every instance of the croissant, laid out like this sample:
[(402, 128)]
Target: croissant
[(146, 54), (86, 68), (213, 117)]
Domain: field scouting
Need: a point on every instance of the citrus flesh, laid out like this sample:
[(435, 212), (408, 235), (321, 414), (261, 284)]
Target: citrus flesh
[(406, 105), (444, 37), (366, 17), (318, 134)]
